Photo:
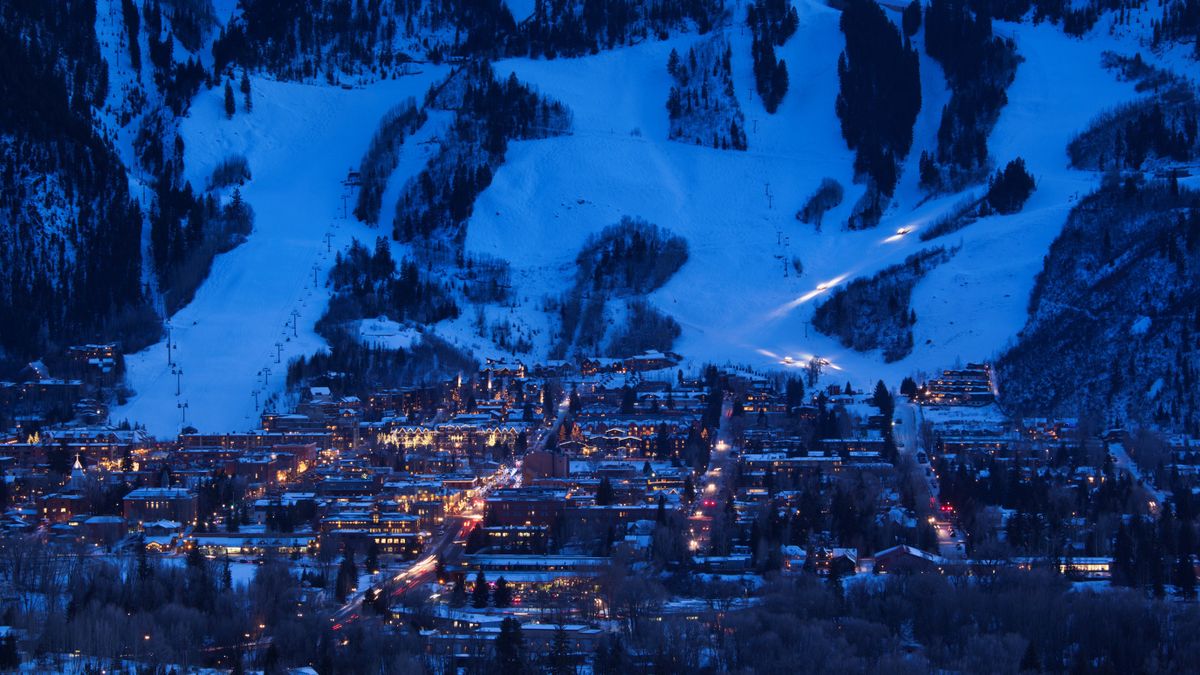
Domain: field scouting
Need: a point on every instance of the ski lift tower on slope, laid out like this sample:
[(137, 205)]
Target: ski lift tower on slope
[(352, 182)]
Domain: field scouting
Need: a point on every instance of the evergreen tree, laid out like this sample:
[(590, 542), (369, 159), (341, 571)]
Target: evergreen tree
[(347, 576), (458, 595), (502, 595), (371, 563), (1030, 661), (911, 19), (1010, 188), (510, 648), (628, 400), (882, 399), (195, 559), (610, 657), (230, 104), (270, 660), (1185, 577), (604, 492), (480, 592), (877, 71), (559, 658), (247, 104), (144, 571), (1123, 562)]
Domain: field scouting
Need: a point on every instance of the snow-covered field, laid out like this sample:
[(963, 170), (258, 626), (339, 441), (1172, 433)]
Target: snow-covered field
[(738, 298), (737, 209), (300, 141)]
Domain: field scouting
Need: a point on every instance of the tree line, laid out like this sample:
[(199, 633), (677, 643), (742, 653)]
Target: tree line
[(771, 23), (71, 257), (878, 100), (488, 114), (701, 105), (876, 313), (1127, 255), (979, 67)]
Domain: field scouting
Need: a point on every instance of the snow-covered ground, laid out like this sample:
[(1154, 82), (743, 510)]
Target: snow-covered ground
[(300, 141), (736, 209), (738, 298), (520, 9), (383, 332)]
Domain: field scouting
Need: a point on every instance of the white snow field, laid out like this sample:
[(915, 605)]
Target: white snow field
[(737, 298), (732, 297), (300, 141)]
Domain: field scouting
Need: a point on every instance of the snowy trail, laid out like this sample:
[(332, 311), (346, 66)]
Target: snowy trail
[(300, 141)]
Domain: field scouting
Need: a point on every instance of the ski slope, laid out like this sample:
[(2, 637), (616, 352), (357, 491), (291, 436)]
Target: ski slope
[(732, 297), (737, 299), (300, 141)]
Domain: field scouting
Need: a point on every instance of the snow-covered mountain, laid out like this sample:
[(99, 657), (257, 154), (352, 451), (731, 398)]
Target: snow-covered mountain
[(754, 274)]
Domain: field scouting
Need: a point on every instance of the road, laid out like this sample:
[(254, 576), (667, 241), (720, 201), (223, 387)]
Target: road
[(546, 433), (713, 486), (1123, 462), (450, 539), (951, 541), (447, 543)]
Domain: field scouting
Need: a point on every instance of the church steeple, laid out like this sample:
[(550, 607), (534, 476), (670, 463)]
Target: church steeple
[(78, 477)]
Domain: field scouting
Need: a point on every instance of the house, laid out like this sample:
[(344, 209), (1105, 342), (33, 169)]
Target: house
[(907, 559), (794, 558)]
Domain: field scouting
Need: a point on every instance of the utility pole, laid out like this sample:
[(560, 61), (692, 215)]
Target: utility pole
[(170, 362), (266, 373), (329, 242), (178, 373), (295, 315), (255, 395), (315, 269), (278, 351), (183, 412)]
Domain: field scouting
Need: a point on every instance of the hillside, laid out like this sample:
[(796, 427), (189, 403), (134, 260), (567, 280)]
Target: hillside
[(210, 81), (1118, 302)]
